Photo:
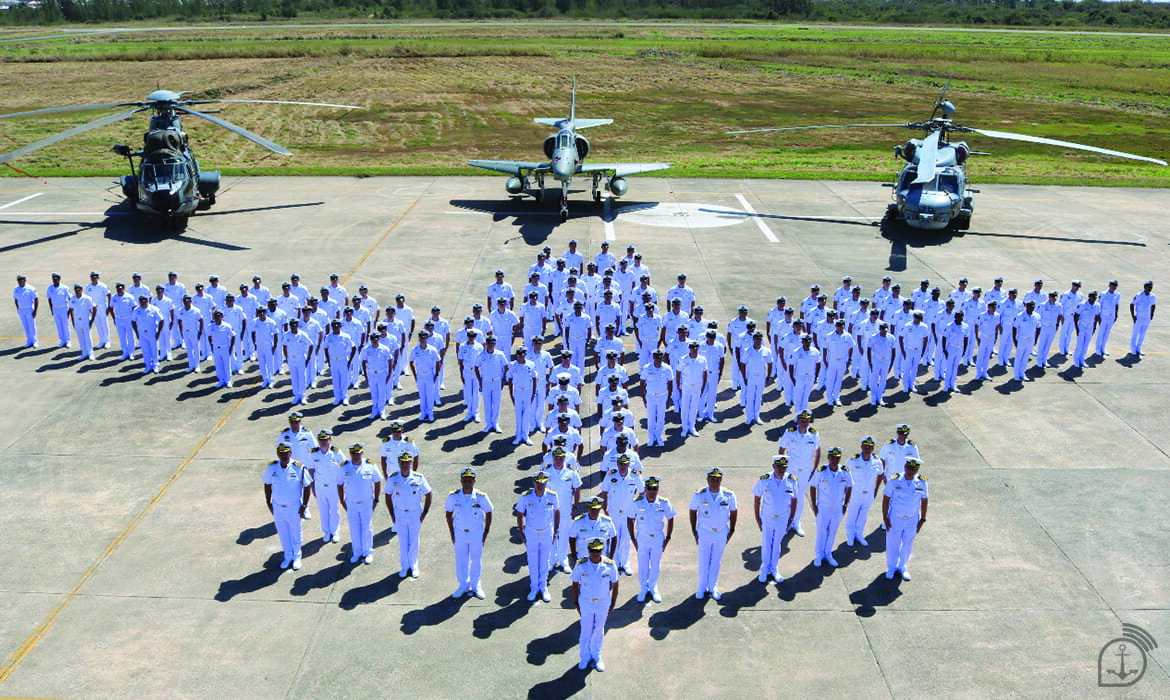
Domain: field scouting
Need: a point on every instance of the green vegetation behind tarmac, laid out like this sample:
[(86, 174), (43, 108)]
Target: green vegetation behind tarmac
[(434, 96)]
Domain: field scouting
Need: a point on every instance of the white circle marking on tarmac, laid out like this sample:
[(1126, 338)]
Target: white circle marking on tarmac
[(681, 215)]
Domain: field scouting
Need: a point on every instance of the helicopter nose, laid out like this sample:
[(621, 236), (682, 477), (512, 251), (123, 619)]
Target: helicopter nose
[(164, 201)]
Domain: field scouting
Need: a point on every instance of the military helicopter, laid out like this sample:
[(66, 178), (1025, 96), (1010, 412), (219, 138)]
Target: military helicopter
[(931, 191), (169, 182)]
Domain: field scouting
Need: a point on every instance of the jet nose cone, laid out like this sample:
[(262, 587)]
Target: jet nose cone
[(564, 163)]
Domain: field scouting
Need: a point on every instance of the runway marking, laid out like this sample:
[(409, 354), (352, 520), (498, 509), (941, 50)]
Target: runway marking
[(609, 233), (65, 213), (23, 199), (759, 222), (35, 638), (44, 627), (506, 213)]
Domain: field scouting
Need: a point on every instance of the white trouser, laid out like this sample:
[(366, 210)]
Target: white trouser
[(223, 366), (785, 384), (802, 480), (655, 417), (522, 411), (470, 395), (175, 338), (879, 376), (1023, 355), (1140, 326), (649, 561), (828, 520), (951, 372), (621, 550), (910, 370), (1066, 333), (1005, 347), (771, 539), (753, 397), (84, 341), (468, 558), (164, 342), (266, 359), (982, 360), (126, 342), (858, 514), (298, 371), (802, 386), (711, 546), (1084, 337), (710, 397), (61, 321), (408, 525), (339, 377), (149, 352), (834, 375), (593, 615), (427, 390), (491, 390), (379, 392), (29, 323), (689, 407), (539, 546), (900, 542), (1044, 344), (193, 355), (327, 503), (102, 321), (288, 526), (361, 527), (560, 545), (1103, 333)]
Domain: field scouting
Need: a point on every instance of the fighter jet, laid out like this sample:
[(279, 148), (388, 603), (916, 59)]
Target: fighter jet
[(566, 151)]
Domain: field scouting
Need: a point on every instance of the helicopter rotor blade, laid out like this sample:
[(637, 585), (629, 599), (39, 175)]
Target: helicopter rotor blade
[(826, 126), (1064, 144), (927, 158), (108, 119), (271, 102), (942, 98), (256, 138), (71, 108)]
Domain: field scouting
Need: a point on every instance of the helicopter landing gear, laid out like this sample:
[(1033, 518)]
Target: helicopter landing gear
[(564, 201), (177, 222), (891, 212), (960, 224)]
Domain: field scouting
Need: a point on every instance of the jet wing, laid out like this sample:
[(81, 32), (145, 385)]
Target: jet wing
[(623, 169), (511, 167)]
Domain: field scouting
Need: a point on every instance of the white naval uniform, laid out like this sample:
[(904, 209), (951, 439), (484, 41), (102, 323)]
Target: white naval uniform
[(1069, 302), (756, 366), (377, 366), (100, 294), (905, 510), (469, 512), (522, 383), (82, 308), (1025, 332), (713, 522), (881, 357), (326, 468), (58, 297), (838, 350), (914, 338), (338, 347), (620, 492), (147, 321), (1143, 307), (1008, 312), (407, 495), (361, 483), (467, 355), (424, 359), (566, 481), (657, 390), (715, 354), (833, 493), (1050, 318), (594, 594), (649, 518), (491, 368), (1110, 303), (777, 503), (893, 456), (288, 488), (541, 521), (123, 307), (300, 349), (691, 375), (986, 326), (803, 372), (801, 449), (865, 475), (265, 334), (222, 339)]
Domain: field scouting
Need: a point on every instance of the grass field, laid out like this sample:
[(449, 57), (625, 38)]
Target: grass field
[(434, 96)]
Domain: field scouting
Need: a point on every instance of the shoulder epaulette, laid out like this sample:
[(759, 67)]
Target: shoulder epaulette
[(729, 492), (845, 467), (611, 471), (607, 560), (638, 497), (582, 560), (409, 439), (548, 490), (480, 493), (812, 430), (764, 477), (580, 516), (791, 428), (273, 462), (334, 449), (297, 463), (528, 491), (911, 442), (896, 476), (385, 439), (822, 468), (455, 491), (700, 490), (891, 442), (857, 456), (922, 478)]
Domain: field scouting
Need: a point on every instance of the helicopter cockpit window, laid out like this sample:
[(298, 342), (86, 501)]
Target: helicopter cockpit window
[(162, 174), (908, 176), (948, 183)]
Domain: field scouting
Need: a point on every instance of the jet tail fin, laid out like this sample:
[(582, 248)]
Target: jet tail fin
[(572, 122)]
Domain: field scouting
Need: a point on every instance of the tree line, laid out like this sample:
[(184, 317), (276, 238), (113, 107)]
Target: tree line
[(1023, 13)]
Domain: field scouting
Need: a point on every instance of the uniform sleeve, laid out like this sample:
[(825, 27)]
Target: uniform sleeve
[(849, 479), (487, 504), (306, 477), (269, 476), (695, 502), (521, 505), (925, 490), (668, 509), (758, 488), (575, 577), (733, 504), (425, 485), (576, 480), (449, 504), (888, 489)]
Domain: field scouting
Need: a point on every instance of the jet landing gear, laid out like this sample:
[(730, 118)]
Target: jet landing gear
[(564, 201), (539, 196), (596, 189)]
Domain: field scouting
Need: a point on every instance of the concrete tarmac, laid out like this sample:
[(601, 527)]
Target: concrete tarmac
[(139, 559)]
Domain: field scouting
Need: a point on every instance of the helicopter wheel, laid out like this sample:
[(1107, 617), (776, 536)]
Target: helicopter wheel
[(178, 223), (539, 196), (597, 196)]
